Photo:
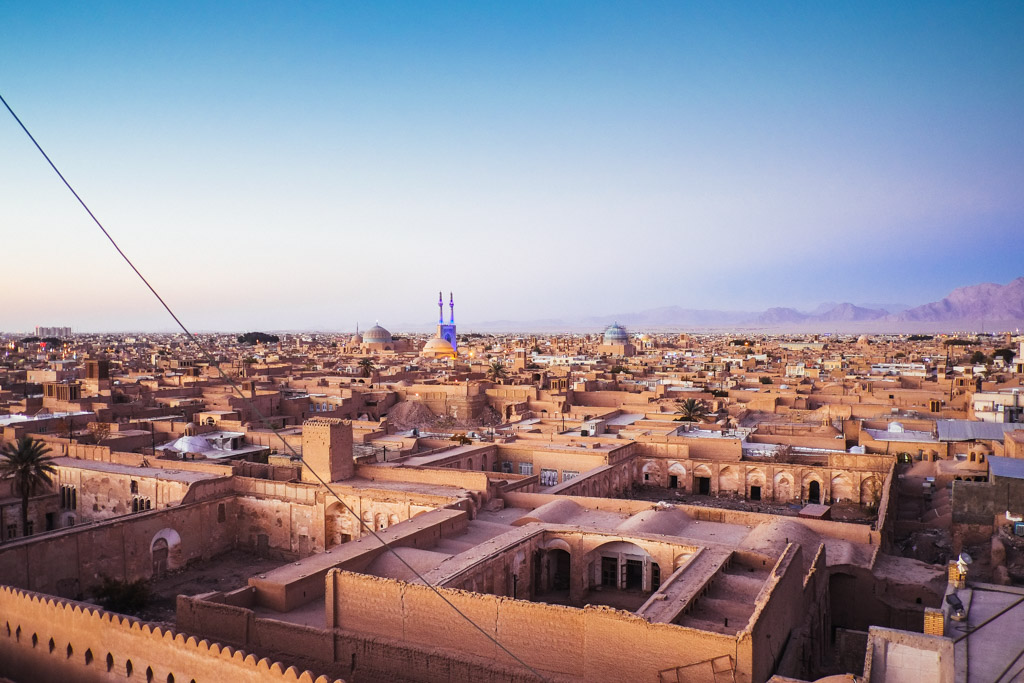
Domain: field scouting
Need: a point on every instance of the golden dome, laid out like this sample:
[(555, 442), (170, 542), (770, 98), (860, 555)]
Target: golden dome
[(438, 348)]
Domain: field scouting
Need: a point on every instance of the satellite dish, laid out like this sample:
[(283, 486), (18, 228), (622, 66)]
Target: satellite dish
[(965, 558)]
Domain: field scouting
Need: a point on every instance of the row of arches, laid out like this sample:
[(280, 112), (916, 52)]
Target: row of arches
[(758, 483), (575, 571), (615, 568), (601, 485), (340, 527), (127, 670), (68, 497)]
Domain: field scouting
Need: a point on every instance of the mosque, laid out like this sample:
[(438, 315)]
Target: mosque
[(616, 342), (377, 340), (446, 343)]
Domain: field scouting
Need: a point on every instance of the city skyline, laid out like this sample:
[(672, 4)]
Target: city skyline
[(321, 166)]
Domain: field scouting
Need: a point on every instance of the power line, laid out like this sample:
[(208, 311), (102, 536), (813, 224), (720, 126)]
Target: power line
[(255, 408)]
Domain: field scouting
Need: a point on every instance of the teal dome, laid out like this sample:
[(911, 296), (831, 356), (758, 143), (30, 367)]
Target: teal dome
[(616, 335)]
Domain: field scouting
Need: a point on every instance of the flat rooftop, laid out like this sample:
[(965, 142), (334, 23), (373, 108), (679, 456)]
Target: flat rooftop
[(990, 638), (162, 473)]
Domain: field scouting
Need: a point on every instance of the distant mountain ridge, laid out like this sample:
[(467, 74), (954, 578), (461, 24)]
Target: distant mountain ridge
[(968, 306), (986, 301)]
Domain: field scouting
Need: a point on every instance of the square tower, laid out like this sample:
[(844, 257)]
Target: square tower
[(97, 377), (327, 449)]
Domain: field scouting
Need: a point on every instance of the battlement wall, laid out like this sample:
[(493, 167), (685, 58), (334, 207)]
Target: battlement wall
[(46, 639)]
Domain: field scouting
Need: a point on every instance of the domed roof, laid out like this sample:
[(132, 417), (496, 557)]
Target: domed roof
[(616, 334), (437, 347), (377, 334)]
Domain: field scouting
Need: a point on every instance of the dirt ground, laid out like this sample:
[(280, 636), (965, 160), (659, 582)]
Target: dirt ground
[(922, 523), (225, 572), (413, 414), (1014, 554)]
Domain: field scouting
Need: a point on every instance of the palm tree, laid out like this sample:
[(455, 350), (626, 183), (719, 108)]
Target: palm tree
[(30, 468), (497, 370), (366, 365), (692, 410)]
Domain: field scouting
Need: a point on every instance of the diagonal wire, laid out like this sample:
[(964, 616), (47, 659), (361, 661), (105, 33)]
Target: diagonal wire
[(254, 407)]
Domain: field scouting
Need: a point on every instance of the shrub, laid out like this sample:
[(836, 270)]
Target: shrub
[(127, 597)]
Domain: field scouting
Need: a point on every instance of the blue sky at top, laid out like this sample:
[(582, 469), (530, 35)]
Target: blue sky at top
[(310, 165)]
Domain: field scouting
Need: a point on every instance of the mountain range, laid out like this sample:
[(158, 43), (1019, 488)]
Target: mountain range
[(992, 306)]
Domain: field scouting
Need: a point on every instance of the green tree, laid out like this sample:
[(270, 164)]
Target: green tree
[(28, 464), (366, 365), (691, 410), (978, 357), (126, 597), (497, 370), (1006, 354)]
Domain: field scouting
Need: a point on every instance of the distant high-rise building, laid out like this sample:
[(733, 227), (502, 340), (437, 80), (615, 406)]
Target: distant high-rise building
[(53, 331)]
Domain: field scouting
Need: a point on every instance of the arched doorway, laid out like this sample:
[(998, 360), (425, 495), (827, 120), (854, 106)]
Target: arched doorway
[(337, 527), (559, 561), (553, 569), (625, 566), (755, 484), (814, 491), (165, 552), (650, 474), (702, 479), (676, 476), (160, 552)]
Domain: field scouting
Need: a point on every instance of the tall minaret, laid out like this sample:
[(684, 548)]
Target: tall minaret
[(445, 330)]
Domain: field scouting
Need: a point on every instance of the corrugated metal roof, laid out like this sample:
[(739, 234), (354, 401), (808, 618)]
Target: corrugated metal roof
[(967, 430), (1012, 468), (885, 435)]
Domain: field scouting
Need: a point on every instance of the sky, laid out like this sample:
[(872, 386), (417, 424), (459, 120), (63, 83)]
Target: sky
[(307, 165)]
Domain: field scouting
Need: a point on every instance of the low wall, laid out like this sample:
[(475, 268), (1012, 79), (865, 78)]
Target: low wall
[(293, 585), (471, 481), (50, 640), (364, 658), (293, 492), (514, 482), (68, 562), (565, 642), (887, 510), (778, 608), (903, 656)]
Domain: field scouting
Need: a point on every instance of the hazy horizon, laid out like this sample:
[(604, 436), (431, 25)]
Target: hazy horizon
[(310, 167)]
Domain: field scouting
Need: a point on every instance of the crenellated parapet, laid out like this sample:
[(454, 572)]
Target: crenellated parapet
[(50, 639)]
